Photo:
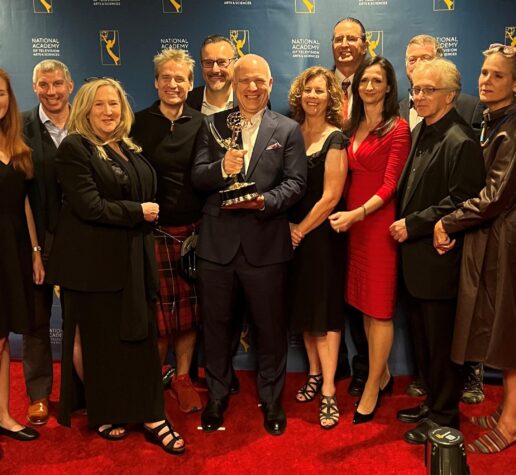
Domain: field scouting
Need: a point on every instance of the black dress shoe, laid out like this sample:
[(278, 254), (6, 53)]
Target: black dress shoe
[(413, 414), (213, 415), (25, 434), (419, 434), (357, 384), (274, 418)]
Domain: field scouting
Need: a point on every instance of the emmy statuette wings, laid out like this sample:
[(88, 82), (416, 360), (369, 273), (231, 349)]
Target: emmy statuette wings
[(239, 191)]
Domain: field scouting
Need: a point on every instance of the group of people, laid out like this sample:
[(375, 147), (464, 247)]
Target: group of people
[(361, 202)]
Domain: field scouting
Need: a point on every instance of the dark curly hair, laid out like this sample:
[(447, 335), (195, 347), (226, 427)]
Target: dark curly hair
[(391, 108), (335, 97)]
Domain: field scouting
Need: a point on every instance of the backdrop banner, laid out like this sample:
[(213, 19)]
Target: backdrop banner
[(118, 38)]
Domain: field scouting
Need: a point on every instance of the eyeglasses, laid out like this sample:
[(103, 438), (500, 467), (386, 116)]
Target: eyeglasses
[(414, 59), (221, 63), (350, 39), (427, 91), (506, 50), (96, 78)]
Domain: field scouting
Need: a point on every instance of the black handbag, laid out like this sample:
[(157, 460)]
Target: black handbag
[(188, 261)]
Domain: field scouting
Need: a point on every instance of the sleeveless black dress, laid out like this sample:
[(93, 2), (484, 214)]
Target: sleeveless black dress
[(16, 291), (316, 274)]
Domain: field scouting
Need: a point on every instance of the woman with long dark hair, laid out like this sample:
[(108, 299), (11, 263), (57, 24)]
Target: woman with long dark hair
[(378, 149), (18, 240)]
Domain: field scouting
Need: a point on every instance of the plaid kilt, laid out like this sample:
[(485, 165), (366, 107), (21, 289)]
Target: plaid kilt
[(177, 307)]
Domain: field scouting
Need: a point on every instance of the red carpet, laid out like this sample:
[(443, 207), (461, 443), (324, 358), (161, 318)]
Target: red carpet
[(244, 447)]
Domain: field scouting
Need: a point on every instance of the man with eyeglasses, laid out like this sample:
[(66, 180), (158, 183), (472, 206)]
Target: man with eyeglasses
[(349, 51), (445, 167), (218, 55), (44, 129), (425, 48)]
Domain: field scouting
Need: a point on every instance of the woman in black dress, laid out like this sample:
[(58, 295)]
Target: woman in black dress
[(103, 259), (18, 270), (316, 275)]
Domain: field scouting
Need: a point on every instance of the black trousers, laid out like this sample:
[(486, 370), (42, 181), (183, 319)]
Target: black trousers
[(37, 350), (264, 291), (431, 325)]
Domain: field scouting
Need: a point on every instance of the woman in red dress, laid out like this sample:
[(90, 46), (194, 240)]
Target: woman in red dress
[(378, 149)]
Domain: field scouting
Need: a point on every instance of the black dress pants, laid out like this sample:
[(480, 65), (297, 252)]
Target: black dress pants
[(431, 324), (264, 291)]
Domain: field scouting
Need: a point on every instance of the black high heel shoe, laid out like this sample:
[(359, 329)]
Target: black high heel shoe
[(359, 418), (387, 389)]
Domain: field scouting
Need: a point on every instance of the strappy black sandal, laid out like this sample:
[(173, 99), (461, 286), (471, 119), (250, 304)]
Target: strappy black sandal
[(105, 431), (159, 433), (310, 389), (329, 411)]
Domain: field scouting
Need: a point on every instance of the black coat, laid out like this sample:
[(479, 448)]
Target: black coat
[(453, 173), (92, 244), (44, 191)]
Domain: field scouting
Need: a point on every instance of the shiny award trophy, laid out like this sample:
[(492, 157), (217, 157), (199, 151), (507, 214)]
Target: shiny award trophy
[(238, 191)]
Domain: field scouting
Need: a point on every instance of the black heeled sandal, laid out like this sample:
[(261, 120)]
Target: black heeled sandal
[(311, 387), (156, 436), (329, 411)]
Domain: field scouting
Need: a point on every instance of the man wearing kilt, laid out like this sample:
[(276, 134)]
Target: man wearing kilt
[(167, 131)]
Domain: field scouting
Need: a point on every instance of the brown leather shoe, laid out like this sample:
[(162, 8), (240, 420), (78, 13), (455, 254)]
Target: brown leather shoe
[(37, 413), (184, 391)]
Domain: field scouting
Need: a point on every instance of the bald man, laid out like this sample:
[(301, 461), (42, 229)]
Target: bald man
[(248, 246)]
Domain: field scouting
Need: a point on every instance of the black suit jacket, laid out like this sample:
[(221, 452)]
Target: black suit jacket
[(468, 107), (92, 240), (44, 191), (453, 173), (277, 166), (194, 98)]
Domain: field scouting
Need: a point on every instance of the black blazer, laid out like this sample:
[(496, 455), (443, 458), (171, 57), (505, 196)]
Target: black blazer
[(44, 191), (277, 166), (194, 98), (91, 244), (468, 107), (453, 173)]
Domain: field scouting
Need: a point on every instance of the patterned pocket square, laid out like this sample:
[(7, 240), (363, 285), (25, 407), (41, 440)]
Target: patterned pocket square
[(274, 146)]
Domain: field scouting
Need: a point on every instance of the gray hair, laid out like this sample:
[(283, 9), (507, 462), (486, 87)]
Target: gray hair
[(422, 40), (49, 66), (448, 73)]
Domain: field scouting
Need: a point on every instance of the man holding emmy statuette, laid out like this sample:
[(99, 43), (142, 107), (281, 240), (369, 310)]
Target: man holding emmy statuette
[(251, 164)]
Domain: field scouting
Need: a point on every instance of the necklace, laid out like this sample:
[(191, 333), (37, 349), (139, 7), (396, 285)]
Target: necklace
[(485, 141)]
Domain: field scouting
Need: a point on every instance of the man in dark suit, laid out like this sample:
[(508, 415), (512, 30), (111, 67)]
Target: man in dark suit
[(44, 129), (445, 167), (248, 246), (349, 47), (218, 55), (426, 48)]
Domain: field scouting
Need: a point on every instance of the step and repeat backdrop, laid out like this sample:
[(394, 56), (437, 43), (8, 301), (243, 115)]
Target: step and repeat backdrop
[(118, 38)]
